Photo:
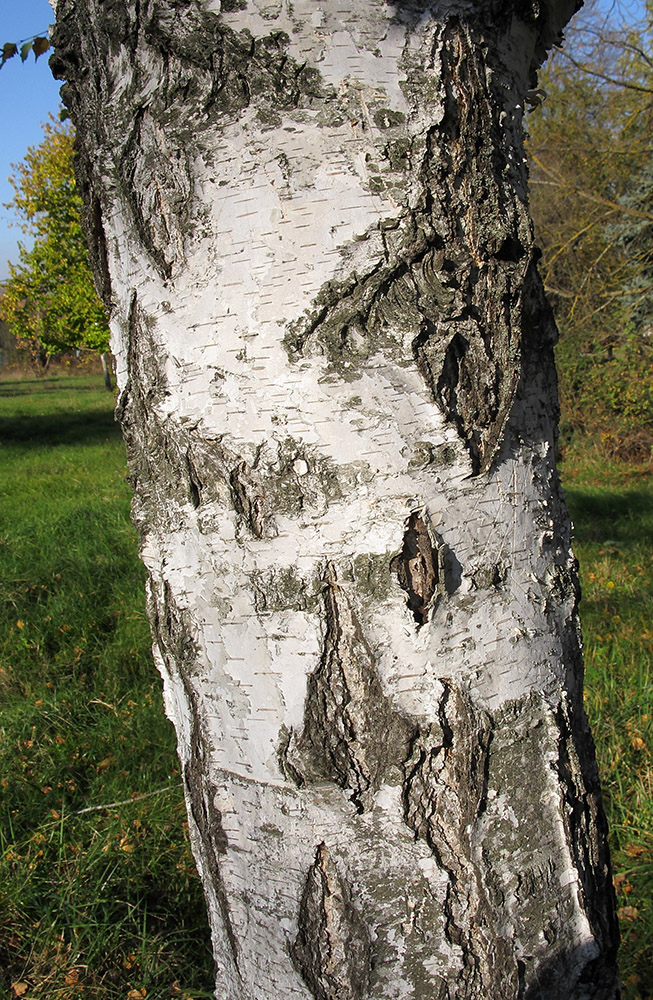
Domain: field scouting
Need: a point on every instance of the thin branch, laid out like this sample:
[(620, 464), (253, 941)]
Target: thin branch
[(615, 81), (550, 290), (40, 34), (595, 199), (616, 42), (125, 802)]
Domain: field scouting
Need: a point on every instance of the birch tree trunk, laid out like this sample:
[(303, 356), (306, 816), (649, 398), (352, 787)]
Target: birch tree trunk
[(310, 224)]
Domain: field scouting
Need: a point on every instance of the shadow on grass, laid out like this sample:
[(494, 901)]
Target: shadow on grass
[(32, 386), (59, 429), (621, 518)]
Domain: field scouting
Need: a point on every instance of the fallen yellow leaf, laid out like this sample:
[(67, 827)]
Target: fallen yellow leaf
[(19, 988), (627, 913), (638, 743)]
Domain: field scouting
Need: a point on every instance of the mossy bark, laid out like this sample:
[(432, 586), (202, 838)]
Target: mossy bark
[(310, 225)]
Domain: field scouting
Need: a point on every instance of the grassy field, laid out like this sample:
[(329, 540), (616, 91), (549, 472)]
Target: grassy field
[(98, 893), (104, 903), (612, 507)]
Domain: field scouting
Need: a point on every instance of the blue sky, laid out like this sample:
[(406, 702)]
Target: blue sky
[(28, 93)]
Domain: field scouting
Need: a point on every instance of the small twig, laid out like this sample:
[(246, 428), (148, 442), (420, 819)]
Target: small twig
[(105, 704), (124, 802)]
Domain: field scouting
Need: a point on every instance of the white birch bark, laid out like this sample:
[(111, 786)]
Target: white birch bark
[(334, 356)]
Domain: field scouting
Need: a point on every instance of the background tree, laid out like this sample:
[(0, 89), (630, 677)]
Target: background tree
[(591, 153), (49, 299)]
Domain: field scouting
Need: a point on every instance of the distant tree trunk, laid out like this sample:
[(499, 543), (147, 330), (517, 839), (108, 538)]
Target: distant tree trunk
[(106, 371), (309, 222), (40, 356)]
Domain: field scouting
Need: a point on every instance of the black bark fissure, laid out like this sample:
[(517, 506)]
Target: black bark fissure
[(332, 947), (351, 733)]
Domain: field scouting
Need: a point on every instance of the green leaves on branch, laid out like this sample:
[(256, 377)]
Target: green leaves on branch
[(38, 44), (49, 299)]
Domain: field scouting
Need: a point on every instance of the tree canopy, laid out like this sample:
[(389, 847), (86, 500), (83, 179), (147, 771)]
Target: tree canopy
[(50, 298)]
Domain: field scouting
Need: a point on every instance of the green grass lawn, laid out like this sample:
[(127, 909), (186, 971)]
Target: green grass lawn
[(612, 507), (106, 903)]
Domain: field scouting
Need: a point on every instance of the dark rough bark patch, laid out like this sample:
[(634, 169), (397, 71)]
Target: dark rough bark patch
[(332, 947), (420, 567), (445, 790), (445, 773), (466, 778), (586, 831), (248, 500), (351, 733), (157, 182), (472, 364)]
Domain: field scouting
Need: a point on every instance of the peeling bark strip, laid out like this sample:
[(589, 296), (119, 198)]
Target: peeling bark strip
[(351, 733), (309, 221), (332, 948)]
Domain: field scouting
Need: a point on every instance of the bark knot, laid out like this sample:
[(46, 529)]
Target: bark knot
[(420, 567)]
